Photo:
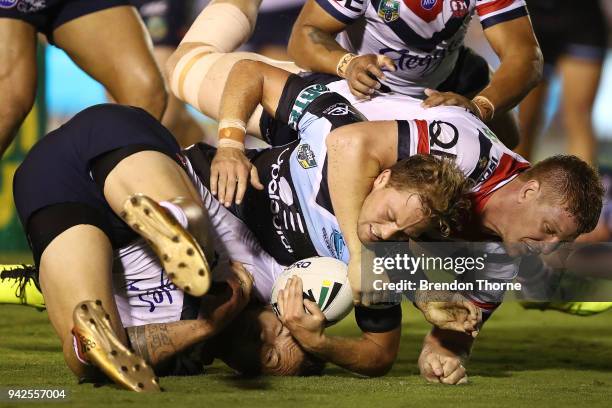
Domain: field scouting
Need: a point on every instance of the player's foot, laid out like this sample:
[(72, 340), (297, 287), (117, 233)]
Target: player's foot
[(575, 308), (103, 349), (179, 252), (19, 286)]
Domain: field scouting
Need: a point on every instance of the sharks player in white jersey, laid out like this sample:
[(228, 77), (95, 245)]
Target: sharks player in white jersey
[(415, 47)]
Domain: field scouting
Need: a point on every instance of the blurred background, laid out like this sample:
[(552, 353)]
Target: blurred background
[(64, 90)]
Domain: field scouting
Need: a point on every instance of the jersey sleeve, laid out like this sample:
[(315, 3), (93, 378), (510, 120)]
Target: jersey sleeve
[(345, 11), (493, 12), (378, 320)]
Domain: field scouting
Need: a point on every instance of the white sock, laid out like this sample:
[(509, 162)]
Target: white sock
[(177, 212)]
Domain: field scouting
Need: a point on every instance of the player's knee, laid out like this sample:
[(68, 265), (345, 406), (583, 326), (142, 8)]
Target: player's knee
[(148, 91)]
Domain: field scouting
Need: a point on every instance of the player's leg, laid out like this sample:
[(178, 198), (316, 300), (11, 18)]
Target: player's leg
[(530, 119), (199, 68), (120, 58), (580, 83), (176, 117), (17, 76)]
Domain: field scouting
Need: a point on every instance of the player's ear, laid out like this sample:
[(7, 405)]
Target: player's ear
[(530, 191), (382, 179)]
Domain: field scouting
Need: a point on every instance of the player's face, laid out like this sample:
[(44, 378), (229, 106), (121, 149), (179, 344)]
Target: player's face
[(262, 341), (539, 228), (389, 214)]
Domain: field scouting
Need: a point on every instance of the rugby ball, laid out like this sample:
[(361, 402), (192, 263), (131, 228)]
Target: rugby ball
[(325, 282)]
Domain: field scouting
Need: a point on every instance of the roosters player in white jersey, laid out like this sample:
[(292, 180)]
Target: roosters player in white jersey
[(415, 47)]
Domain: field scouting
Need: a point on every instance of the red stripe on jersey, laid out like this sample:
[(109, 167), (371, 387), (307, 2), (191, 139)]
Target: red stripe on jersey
[(423, 144), (425, 15), (485, 9), (508, 167), (485, 306)]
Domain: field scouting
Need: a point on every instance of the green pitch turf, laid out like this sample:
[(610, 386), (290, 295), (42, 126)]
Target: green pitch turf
[(522, 358)]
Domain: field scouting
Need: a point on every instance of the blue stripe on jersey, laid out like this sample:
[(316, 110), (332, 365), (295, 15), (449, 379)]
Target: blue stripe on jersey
[(503, 17), (483, 157), (334, 12), (410, 37)]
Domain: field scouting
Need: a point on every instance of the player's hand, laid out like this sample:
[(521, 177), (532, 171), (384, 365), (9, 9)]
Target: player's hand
[(435, 98), (456, 314), (441, 366), (306, 327), (229, 175), (364, 72)]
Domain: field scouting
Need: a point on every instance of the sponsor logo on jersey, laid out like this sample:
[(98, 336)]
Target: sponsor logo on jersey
[(389, 10), (306, 96), (493, 163), (428, 4), (421, 63), (306, 157), (284, 216), (334, 242), (7, 4), (459, 8), (489, 133)]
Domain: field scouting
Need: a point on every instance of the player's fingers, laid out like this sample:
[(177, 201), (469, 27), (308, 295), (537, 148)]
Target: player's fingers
[(230, 187), (242, 186), (367, 80), (214, 176), (428, 373), (280, 305), (221, 185), (450, 365), (454, 377), (436, 366), (385, 62), (431, 92), (433, 100), (314, 309), (358, 86), (376, 71), (464, 380), (255, 182)]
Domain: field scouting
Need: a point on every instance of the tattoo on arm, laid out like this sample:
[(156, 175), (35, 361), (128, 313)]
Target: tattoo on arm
[(138, 341), (322, 38)]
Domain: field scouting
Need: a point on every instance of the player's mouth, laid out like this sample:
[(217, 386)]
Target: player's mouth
[(372, 235)]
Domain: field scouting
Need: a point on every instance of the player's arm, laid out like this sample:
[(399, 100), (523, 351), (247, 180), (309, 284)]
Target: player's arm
[(366, 149), (520, 70), (313, 45), (249, 84), (372, 354)]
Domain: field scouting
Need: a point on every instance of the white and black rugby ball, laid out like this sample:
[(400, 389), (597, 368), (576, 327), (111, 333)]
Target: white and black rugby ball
[(325, 282)]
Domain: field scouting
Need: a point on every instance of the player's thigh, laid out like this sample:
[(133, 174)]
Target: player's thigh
[(151, 173), (580, 79), (17, 65), (119, 57), (74, 267)]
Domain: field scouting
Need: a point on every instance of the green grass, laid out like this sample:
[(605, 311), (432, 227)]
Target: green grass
[(522, 358)]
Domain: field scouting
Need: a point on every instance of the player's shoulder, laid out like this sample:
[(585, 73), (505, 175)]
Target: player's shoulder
[(492, 12)]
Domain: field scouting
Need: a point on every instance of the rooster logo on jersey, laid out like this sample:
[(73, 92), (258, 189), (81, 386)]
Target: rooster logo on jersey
[(389, 10)]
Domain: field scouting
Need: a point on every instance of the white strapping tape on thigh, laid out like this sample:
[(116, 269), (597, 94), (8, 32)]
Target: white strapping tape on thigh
[(223, 26), (190, 72)]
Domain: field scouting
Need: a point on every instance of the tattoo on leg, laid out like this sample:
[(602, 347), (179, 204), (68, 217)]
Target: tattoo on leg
[(138, 341)]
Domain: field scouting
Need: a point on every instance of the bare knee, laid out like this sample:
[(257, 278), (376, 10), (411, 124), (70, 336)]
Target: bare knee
[(144, 88)]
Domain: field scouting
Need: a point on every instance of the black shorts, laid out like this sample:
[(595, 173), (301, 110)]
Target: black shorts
[(273, 28), (469, 76), (167, 20), (567, 27), (58, 168), (48, 15)]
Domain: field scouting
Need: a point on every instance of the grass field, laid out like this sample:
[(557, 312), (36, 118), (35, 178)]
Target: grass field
[(522, 358)]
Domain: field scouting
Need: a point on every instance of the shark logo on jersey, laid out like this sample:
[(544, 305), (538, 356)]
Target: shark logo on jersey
[(389, 10), (334, 242), (7, 4), (306, 157)]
